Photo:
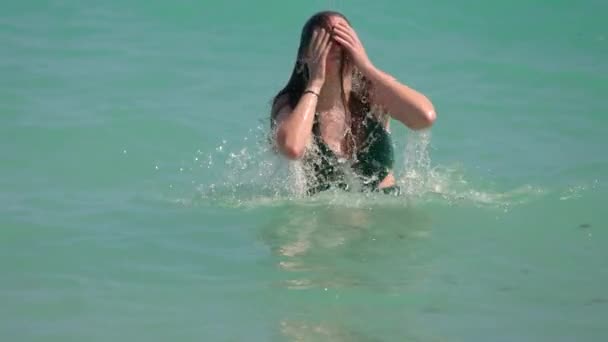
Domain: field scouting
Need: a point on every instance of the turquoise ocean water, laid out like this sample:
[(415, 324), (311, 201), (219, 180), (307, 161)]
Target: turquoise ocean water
[(138, 201)]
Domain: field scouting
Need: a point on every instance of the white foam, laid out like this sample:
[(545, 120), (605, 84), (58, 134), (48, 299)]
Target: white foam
[(252, 174)]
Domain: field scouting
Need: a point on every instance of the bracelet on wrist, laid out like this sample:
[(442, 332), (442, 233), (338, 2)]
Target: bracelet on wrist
[(311, 92)]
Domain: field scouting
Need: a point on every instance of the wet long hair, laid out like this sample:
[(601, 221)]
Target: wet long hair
[(358, 102)]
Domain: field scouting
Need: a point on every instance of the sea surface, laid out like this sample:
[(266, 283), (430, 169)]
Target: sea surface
[(139, 200)]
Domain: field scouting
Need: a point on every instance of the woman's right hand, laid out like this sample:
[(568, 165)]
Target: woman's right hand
[(316, 56), (294, 125)]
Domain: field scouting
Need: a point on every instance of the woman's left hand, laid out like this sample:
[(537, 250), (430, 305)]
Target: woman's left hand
[(346, 36)]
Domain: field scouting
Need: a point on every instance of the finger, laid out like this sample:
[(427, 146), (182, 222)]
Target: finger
[(326, 40), (343, 27), (313, 39), (343, 30), (344, 36), (343, 42), (311, 45), (319, 42), (326, 49)]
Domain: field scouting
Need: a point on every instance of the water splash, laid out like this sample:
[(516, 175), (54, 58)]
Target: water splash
[(421, 180), (417, 164), (250, 173)]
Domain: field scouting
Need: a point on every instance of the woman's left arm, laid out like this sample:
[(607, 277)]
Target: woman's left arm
[(402, 102)]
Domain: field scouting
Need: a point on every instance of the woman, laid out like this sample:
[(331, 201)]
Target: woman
[(333, 114)]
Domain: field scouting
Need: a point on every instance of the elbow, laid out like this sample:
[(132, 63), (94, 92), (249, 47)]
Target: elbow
[(430, 117), (427, 119), (290, 150)]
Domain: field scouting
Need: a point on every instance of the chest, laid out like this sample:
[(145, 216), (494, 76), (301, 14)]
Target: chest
[(333, 127)]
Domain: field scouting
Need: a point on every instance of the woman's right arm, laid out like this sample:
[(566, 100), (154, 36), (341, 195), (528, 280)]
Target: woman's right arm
[(294, 125)]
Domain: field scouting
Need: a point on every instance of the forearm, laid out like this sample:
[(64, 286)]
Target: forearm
[(295, 130), (402, 102)]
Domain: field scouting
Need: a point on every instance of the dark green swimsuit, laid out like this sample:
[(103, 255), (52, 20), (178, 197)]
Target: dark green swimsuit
[(373, 162)]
